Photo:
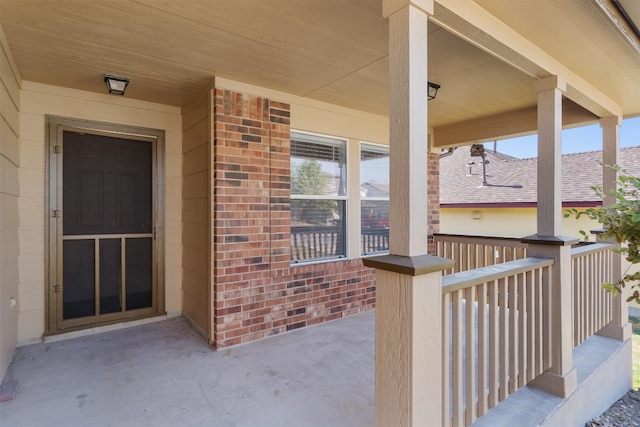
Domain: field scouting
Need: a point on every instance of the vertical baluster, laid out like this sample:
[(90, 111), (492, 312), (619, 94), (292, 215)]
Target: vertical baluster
[(578, 299), (470, 341), (494, 354), (584, 298), (522, 333), (546, 315), (456, 338), (605, 295), (537, 295), (334, 243), (301, 248), (446, 358), (482, 349), (603, 275), (587, 279), (596, 288), (477, 249), (367, 243), (610, 279), (310, 245), (586, 291), (531, 322), (296, 245), (504, 340), (592, 299), (513, 333), (601, 292), (539, 321)]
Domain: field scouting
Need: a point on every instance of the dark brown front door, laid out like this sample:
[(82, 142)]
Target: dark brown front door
[(106, 257)]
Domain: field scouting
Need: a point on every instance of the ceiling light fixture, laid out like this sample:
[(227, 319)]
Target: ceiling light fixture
[(116, 85), (432, 91)]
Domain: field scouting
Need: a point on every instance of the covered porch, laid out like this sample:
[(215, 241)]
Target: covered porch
[(164, 374), (231, 95)]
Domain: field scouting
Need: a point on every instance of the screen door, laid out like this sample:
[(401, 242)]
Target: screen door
[(105, 229)]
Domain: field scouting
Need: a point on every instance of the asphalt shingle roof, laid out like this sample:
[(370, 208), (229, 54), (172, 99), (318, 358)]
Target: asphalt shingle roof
[(513, 181)]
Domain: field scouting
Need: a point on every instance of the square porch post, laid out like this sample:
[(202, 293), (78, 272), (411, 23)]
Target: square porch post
[(560, 378), (408, 282), (619, 328)]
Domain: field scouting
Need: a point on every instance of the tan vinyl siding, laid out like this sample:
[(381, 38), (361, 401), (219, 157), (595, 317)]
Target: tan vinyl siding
[(9, 204), (37, 101), (196, 231)]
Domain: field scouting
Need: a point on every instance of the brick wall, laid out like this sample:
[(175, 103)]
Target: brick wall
[(257, 293)]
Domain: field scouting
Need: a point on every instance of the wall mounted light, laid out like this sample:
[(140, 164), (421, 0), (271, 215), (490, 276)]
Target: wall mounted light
[(116, 85), (432, 91)]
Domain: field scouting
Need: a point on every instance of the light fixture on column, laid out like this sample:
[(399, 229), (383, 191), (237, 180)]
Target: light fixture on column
[(116, 85), (432, 91)]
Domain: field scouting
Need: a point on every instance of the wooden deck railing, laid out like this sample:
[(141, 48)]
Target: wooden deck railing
[(471, 252), (309, 243), (496, 335), (592, 305), (496, 315), (374, 240)]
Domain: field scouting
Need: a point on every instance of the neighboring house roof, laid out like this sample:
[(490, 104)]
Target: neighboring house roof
[(512, 181), (371, 189)]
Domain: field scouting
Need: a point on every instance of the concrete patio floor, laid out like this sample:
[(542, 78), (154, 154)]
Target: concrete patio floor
[(165, 374)]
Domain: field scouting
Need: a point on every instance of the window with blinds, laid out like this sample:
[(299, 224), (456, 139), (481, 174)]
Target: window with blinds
[(318, 197), (374, 199)]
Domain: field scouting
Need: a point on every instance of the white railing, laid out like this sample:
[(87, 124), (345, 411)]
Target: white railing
[(496, 335), (311, 243), (471, 252), (592, 305)]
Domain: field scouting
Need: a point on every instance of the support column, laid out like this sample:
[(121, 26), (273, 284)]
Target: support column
[(619, 328), (549, 92), (408, 138), (560, 378), (610, 155), (408, 282), (408, 387)]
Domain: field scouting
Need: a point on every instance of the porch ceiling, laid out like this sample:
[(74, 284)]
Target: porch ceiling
[(333, 51)]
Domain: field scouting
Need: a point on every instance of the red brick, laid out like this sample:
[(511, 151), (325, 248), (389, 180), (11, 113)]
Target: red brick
[(252, 232)]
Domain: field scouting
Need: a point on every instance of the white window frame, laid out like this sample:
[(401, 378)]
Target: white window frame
[(344, 198), (362, 198)]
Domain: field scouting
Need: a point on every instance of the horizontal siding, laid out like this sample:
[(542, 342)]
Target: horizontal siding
[(9, 205), (196, 240), (38, 100)]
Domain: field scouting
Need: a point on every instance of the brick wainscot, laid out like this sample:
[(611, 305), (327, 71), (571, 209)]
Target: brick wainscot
[(256, 289)]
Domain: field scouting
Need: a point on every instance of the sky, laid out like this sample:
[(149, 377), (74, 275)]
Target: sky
[(576, 140)]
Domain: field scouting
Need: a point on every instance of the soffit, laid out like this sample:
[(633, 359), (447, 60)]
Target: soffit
[(172, 49), (586, 36), (472, 82), (333, 51)]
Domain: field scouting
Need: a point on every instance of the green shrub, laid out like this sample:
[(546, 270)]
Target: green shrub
[(621, 222)]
